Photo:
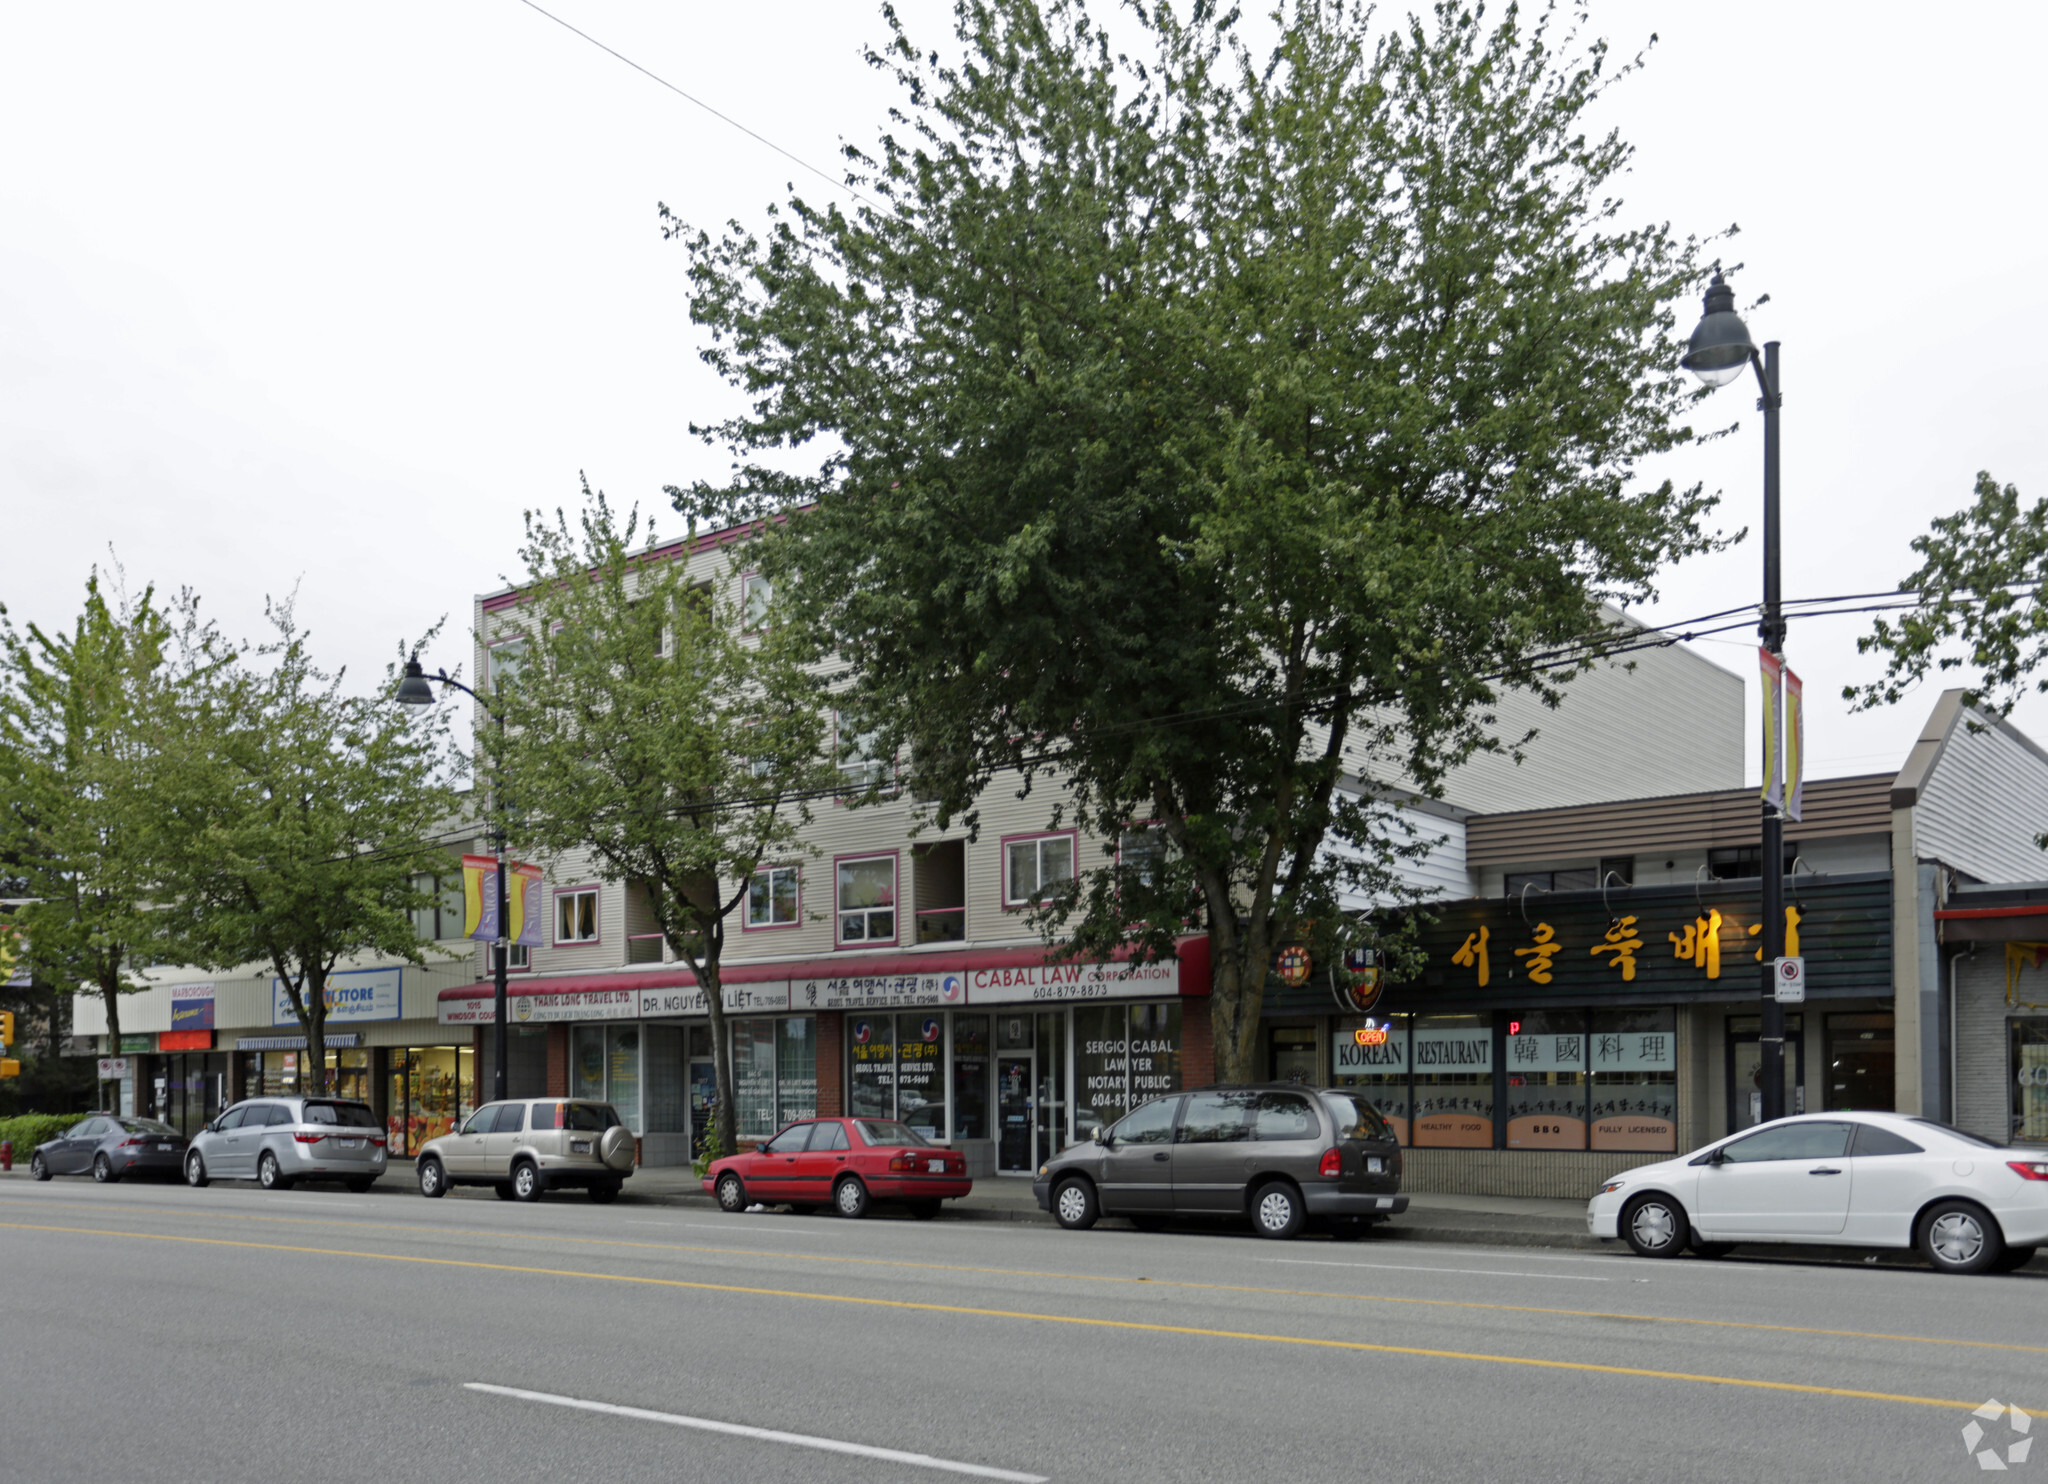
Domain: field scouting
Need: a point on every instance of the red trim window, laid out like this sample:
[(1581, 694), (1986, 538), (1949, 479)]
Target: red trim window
[(865, 899), (1035, 866), (859, 768), (519, 959), (508, 658), (575, 916), (774, 899)]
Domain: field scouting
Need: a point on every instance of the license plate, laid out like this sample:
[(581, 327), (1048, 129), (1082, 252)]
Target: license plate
[(579, 1146), (163, 1149), (1374, 1166), (935, 1166), (351, 1143)]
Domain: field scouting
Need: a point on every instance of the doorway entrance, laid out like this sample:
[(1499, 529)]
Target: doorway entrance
[(1015, 1082), (1860, 1062), (1746, 1068), (1293, 1055)]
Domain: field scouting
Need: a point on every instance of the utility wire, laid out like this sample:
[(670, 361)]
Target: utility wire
[(724, 118)]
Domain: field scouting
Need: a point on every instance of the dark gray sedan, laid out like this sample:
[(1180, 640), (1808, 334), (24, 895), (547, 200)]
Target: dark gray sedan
[(108, 1146)]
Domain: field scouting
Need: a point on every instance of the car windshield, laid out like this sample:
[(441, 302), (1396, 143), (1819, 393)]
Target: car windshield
[(148, 1126), (588, 1118), (888, 1135), (1955, 1133), (1356, 1118), (347, 1115)]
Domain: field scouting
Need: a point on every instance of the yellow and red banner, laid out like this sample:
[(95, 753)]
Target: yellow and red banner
[(1795, 744), (1773, 670), (480, 901)]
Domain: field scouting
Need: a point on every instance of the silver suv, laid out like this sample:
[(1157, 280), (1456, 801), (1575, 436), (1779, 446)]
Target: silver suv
[(278, 1142), (523, 1149)]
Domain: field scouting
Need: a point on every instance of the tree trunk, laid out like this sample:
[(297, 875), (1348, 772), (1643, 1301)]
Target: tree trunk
[(1237, 993), (314, 1018), (721, 1048), (110, 991)]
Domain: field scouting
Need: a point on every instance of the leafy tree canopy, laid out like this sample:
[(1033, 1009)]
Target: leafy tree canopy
[(1207, 431)]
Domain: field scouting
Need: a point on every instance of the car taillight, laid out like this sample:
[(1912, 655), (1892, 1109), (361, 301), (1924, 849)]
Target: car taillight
[(1333, 1164), (903, 1164), (133, 1143), (2029, 1169), (378, 1140), (309, 1138)]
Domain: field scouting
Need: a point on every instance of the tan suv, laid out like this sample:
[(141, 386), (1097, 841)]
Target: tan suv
[(522, 1149)]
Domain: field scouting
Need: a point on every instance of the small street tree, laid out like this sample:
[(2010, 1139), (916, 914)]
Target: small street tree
[(652, 726), (296, 817), (1214, 436), (79, 837)]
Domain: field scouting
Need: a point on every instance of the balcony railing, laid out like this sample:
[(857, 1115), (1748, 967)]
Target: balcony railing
[(942, 925), (643, 948)]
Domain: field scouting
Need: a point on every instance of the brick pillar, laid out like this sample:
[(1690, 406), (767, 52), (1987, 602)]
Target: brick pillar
[(1197, 1043), (558, 1061), (831, 1064)]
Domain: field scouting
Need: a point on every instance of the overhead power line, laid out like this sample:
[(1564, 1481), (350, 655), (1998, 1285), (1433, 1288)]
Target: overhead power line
[(724, 118)]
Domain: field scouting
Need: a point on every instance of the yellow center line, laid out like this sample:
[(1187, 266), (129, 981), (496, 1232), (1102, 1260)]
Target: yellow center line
[(864, 1301), (945, 1267)]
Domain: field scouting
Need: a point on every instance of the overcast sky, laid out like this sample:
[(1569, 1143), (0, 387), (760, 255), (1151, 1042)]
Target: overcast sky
[(325, 295)]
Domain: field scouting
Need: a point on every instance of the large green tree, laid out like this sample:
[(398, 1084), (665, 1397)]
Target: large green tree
[(654, 726), (1216, 434), (79, 747), (297, 816)]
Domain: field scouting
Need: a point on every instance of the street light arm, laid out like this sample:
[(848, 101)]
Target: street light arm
[(1763, 381), (484, 701)]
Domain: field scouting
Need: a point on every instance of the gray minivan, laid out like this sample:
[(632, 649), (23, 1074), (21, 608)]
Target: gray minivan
[(279, 1141), (1284, 1154)]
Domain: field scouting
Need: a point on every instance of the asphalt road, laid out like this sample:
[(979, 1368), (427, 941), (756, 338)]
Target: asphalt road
[(151, 1332)]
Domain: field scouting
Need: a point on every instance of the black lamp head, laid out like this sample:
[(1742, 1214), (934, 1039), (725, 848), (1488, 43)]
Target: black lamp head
[(414, 690), (1720, 345)]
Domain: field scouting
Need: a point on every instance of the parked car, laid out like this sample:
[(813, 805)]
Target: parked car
[(1284, 1154), (278, 1142), (1839, 1179), (525, 1148), (846, 1163), (108, 1146)]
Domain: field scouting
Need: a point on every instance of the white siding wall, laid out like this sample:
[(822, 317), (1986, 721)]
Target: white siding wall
[(1983, 1091), (242, 1002), (1440, 874), (1983, 804)]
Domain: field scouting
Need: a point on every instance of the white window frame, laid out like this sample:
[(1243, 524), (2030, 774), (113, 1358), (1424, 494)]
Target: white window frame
[(1011, 899), (574, 893), (894, 909), (747, 922), (858, 774), (753, 616)]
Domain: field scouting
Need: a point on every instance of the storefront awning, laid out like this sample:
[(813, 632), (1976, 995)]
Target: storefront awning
[(844, 981)]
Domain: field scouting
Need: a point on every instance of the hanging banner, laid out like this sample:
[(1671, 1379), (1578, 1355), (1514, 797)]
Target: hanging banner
[(1795, 744), (480, 897), (1773, 670), (523, 903)]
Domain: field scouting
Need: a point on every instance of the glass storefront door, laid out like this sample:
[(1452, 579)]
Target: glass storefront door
[(195, 1089), (1015, 1080), (430, 1090)]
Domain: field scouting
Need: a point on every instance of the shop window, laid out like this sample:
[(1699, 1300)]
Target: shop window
[(576, 916), (772, 900), (431, 1089), (1860, 1062), (1034, 870), (2030, 1080), (1376, 1067), (1546, 1067), (970, 1077), (920, 1073), (871, 1066), (1292, 1055), (753, 1075), (866, 899), (796, 1069), (1124, 1056), (586, 1063), (1453, 1060), (1635, 1079)]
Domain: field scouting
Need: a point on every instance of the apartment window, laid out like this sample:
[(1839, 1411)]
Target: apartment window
[(443, 920), (576, 916), (772, 898), (867, 899), (520, 957), (1739, 862), (1035, 868), (1142, 852), (859, 767), (756, 593), (1579, 878), (507, 660)]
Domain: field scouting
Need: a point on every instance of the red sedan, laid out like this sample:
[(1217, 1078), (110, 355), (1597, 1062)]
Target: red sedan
[(845, 1163)]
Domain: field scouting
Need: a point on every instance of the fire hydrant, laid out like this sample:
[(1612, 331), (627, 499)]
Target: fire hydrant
[(6, 1154)]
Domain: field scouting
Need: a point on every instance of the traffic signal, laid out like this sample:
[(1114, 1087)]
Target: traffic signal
[(6, 1029), (9, 1067)]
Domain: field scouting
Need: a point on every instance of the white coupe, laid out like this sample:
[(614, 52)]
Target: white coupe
[(1847, 1179)]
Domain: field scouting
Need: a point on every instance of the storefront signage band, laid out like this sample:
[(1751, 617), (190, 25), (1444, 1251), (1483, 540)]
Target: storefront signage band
[(352, 995)]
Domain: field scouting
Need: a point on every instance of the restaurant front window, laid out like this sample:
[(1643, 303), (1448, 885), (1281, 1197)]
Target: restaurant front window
[(1546, 1067), (1453, 1060), (1635, 1079), (1375, 1067)]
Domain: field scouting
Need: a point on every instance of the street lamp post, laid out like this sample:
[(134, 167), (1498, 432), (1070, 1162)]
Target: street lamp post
[(1719, 349), (414, 690)]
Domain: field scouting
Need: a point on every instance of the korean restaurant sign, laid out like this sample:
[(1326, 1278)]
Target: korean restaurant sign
[(1677, 942)]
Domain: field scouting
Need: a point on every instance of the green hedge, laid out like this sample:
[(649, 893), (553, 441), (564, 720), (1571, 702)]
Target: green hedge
[(31, 1129)]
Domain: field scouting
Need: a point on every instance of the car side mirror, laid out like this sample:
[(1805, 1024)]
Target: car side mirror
[(1100, 1134)]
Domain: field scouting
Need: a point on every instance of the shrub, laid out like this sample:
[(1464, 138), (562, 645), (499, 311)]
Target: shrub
[(30, 1129)]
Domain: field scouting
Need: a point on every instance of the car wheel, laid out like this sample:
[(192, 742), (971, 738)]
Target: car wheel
[(604, 1192), (526, 1182), (924, 1210), (270, 1174), (360, 1186), (1277, 1211), (433, 1179), (850, 1198), (1959, 1237), (1655, 1226), (732, 1194), (103, 1170), (1712, 1249), (1074, 1206), (195, 1171), (2013, 1259), (37, 1168)]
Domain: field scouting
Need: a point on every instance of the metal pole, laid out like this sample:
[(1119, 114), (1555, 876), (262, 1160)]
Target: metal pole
[(502, 949), (1771, 1043)]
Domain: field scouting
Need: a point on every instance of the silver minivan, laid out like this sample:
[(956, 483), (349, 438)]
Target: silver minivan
[(278, 1142)]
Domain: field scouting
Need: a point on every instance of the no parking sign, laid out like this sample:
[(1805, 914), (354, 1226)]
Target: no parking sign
[(1789, 979)]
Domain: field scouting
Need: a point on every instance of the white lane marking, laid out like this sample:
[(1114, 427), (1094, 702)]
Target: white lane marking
[(763, 1434), (1409, 1267)]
